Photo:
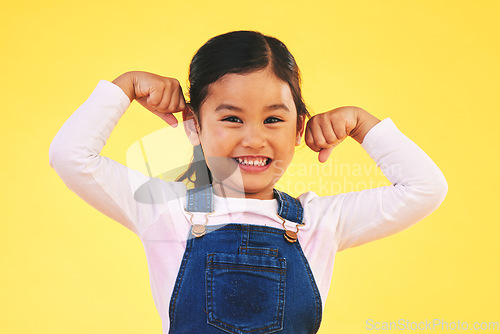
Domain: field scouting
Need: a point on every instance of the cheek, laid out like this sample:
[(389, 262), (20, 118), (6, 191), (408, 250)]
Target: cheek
[(216, 139), (287, 137), (221, 134), (289, 148)]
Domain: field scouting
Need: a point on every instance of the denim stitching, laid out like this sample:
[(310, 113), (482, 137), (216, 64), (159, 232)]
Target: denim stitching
[(282, 295), (264, 251), (319, 306), (205, 196), (178, 282), (281, 298), (189, 200), (200, 199), (280, 200), (208, 284), (235, 228), (288, 205), (248, 234), (247, 268)]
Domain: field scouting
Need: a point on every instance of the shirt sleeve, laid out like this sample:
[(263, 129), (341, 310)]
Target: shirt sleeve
[(105, 184), (418, 188)]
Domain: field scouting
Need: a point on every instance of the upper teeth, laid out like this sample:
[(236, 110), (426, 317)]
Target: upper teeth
[(255, 162)]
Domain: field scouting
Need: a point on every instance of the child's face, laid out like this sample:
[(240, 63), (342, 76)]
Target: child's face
[(253, 117)]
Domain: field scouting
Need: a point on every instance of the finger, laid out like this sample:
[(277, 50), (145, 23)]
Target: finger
[(171, 120), (178, 103), (154, 98), (334, 133), (339, 127), (168, 118), (328, 132), (166, 99), (182, 103), (318, 134), (144, 102), (325, 153), (308, 138), (173, 104)]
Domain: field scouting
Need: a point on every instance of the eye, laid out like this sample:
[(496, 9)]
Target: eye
[(272, 120), (232, 119)]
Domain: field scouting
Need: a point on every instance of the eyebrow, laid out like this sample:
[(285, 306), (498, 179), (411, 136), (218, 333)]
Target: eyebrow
[(268, 108)]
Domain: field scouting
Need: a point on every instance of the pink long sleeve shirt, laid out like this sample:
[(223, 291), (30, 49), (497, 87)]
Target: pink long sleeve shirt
[(333, 223)]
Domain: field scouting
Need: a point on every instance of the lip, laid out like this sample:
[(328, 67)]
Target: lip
[(252, 156)]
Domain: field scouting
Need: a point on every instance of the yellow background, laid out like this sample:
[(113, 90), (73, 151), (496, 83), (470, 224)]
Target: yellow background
[(431, 66)]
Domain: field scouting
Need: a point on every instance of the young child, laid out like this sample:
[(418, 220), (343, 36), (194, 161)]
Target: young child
[(233, 254)]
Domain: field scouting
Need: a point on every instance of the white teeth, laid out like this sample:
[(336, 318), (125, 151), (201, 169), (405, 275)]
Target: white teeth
[(261, 162)]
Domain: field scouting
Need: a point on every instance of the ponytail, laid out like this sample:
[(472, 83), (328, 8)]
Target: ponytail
[(197, 168)]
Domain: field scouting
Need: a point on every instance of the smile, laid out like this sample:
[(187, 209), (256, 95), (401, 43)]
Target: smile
[(253, 161)]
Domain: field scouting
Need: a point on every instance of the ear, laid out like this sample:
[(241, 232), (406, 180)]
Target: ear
[(190, 125), (300, 129)]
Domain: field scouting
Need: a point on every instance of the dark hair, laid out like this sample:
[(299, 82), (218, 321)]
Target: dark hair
[(236, 52)]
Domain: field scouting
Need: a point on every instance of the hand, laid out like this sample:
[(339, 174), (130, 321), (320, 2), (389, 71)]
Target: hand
[(160, 95), (327, 130)]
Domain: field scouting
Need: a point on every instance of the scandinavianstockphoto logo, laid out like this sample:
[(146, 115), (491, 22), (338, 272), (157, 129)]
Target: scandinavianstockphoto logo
[(427, 325), (165, 154), (336, 177)]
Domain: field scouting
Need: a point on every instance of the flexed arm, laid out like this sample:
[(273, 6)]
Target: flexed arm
[(75, 150), (418, 186)]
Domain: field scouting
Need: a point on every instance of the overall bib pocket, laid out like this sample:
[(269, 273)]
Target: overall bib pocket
[(245, 293)]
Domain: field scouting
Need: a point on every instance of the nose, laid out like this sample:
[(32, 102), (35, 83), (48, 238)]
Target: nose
[(254, 136)]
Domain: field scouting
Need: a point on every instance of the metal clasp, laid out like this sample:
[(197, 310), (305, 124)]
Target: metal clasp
[(198, 230), (290, 235)]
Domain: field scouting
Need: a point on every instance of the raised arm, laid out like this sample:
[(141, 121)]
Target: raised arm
[(102, 182), (418, 186)]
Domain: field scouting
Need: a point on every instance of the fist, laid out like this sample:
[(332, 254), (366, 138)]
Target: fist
[(327, 130), (160, 95)]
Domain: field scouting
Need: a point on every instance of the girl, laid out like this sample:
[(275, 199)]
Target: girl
[(233, 254)]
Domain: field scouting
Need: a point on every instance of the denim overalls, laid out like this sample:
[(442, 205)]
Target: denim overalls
[(241, 278)]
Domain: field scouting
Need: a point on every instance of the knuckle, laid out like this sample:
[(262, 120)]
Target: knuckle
[(172, 108), (160, 83), (321, 142), (309, 141), (172, 83), (154, 101), (182, 105), (319, 118), (313, 119), (315, 149), (330, 139)]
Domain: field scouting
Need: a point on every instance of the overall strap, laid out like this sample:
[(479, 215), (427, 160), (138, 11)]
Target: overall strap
[(200, 199), (289, 208)]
